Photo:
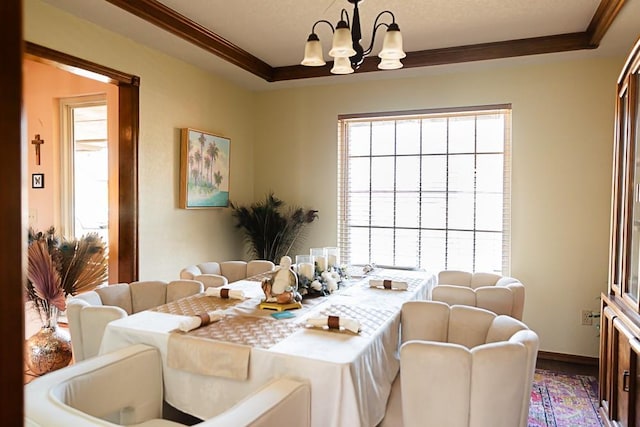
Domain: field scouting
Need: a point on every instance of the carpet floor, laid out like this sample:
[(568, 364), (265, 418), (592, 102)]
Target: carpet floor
[(563, 400)]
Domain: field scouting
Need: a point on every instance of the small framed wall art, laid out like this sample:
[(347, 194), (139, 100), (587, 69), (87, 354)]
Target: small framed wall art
[(37, 180), (204, 170)]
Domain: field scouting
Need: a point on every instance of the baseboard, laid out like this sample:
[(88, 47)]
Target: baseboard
[(569, 358)]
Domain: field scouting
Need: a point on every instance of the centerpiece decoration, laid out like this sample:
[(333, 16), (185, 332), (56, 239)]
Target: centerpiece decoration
[(270, 230), (58, 268), (319, 274)]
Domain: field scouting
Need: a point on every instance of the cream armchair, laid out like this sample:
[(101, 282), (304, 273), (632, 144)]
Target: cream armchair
[(501, 295), (88, 313), (125, 387), (214, 274), (461, 366)]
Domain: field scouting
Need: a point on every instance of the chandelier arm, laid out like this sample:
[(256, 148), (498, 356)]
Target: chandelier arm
[(343, 14), (393, 17), (313, 29), (373, 37), (377, 25)]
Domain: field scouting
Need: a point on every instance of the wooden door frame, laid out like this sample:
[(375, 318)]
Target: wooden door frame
[(13, 214), (128, 116)]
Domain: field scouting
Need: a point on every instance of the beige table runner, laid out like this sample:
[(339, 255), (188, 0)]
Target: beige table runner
[(258, 277), (256, 332), (412, 282), (370, 318), (223, 348), (208, 357), (196, 304)]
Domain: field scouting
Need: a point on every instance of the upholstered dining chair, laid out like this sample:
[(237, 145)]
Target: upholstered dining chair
[(461, 366), (501, 295), (89, 313), (125, 387), (216, 274)]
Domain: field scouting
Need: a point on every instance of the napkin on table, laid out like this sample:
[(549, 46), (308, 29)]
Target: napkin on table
[(388, 284), (202, 319), (335, 322), (224, 293)]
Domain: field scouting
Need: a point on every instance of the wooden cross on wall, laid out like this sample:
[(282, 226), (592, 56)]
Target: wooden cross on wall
[(37, 142)]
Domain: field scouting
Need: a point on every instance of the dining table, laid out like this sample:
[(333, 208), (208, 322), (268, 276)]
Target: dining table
[(210, 368)]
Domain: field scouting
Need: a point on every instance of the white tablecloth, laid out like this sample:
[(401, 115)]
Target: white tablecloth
[(350, 375)]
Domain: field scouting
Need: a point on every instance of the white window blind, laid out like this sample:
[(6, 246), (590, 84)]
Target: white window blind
[(428, 189)]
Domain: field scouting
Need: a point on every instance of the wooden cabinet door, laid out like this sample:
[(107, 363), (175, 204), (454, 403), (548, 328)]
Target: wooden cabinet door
[(623, 384), (607, 357), (635, 394)]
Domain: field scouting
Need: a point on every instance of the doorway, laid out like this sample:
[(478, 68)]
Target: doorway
[(123, 217)]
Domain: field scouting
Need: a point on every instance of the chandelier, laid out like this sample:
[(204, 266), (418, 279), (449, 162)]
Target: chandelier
[(346, 49)]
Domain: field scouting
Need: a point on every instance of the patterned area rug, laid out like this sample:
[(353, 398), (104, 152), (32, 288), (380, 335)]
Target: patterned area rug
[(562, 400)]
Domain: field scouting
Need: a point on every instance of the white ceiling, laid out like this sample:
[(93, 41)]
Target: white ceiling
[(275, 31)]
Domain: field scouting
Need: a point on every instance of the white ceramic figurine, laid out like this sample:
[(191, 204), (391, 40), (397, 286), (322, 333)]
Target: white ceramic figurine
[(282, 286)]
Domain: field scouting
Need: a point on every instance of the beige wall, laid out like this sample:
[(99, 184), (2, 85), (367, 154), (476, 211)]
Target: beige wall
[(562, 143), (44, 86), (173, 95), (562, 131)]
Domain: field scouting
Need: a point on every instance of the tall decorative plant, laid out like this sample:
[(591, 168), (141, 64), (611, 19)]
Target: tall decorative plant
[(271, 229), (58, 267)]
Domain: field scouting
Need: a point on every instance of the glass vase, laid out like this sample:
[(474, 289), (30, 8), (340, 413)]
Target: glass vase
[(333, 257), (304, 266), (320, 257), (49, 348)]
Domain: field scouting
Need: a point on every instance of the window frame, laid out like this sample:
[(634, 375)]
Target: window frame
[(344, 121)]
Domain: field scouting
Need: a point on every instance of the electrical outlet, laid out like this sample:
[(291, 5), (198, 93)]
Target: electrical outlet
[(33, 216), (587, 317)]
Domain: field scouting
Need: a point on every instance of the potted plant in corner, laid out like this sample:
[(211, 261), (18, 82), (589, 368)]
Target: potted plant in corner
[(58, 268), (270, 229)]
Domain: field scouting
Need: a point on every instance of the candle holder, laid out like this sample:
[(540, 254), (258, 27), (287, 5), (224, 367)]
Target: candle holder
[(320, 257), (305, 266), (333, 257)]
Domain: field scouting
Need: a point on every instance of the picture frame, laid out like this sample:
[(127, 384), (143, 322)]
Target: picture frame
[(37, 180), (204, 169)]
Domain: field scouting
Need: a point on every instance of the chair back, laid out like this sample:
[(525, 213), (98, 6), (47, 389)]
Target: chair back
[(455, 277), (147, 294), (454, 294), (117, 294), (467, 351), (190, 272), (212, 280), (258, 266), (234, 270), (210, 267), (484, 279), (87, 324), (177, 289), (123, 387), (501, 295), (92, 297)]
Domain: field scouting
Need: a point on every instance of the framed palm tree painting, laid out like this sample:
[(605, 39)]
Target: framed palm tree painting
[(204, 170)]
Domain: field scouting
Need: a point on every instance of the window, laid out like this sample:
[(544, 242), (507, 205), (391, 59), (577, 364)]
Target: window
[(85, 166), (428, 190)]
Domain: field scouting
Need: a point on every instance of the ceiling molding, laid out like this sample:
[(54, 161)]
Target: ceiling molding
[(158, 14), (181, 26), (602, 19), (453, 55)]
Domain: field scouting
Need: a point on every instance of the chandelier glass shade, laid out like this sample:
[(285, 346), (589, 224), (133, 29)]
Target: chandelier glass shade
[(346, 50)]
